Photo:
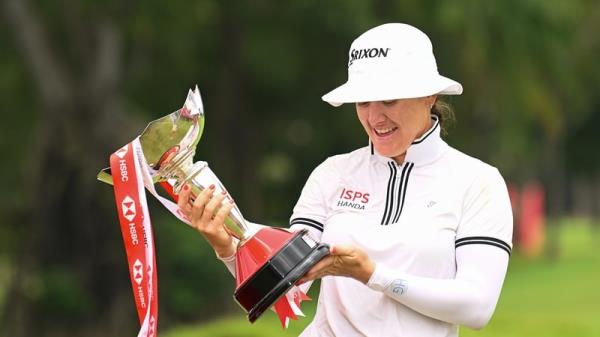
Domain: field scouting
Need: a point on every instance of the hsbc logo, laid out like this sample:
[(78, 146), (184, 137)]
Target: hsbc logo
[(152, 328), (138, 272), (123, 163), (122, 151), (128, 206)]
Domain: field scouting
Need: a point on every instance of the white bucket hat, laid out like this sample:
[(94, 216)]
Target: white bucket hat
[(391, 61)]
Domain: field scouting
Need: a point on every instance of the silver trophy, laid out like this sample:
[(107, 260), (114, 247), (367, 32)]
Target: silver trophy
[(269, 260)]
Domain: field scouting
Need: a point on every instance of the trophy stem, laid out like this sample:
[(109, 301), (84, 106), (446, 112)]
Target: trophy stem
[(199, 176)]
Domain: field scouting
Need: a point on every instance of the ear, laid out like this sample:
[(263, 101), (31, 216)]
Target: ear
[(430, 101)]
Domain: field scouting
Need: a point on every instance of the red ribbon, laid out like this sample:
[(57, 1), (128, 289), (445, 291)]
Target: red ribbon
[(128, 178), (136, 229)]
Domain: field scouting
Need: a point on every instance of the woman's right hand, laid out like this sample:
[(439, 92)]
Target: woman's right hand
[(206, 217)]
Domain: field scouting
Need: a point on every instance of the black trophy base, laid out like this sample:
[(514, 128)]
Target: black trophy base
[(279, 274)]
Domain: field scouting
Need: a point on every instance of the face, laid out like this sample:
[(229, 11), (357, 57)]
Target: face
[(393, 125)]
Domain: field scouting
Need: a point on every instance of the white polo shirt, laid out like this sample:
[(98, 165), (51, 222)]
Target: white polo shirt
[(411, 218)]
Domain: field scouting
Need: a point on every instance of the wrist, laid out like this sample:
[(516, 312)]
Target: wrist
[(387, 280), (227, 251), (379, 280), (367, 271)]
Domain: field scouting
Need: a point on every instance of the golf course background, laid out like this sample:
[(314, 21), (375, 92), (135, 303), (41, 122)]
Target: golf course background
[(81, 78)]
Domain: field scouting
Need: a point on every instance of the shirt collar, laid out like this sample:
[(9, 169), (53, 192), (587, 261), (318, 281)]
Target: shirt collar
[(423, 150)]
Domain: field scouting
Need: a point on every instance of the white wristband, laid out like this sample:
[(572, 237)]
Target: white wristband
[(386, 280), (229, 261)]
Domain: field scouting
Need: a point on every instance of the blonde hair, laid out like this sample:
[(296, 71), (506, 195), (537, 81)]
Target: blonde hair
[(445, 113)]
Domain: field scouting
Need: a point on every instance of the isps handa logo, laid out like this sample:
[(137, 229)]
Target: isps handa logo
[(353, 199)]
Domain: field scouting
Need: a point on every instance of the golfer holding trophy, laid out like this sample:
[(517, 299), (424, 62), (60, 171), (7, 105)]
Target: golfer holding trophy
[(420, 232)]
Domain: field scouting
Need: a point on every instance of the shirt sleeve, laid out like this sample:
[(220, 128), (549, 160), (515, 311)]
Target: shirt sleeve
[(483, 245), (486, 214), (312, 208), (469, 299)]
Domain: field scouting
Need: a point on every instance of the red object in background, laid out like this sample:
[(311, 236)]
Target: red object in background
[(514, 195), (531, 220)]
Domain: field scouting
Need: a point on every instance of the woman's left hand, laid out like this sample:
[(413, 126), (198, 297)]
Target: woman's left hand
[(349, 261)]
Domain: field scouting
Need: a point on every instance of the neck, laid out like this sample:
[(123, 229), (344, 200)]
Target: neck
[(400, 158)]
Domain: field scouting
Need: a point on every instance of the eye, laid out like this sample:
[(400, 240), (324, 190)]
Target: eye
[(390, 102), (362, 104)]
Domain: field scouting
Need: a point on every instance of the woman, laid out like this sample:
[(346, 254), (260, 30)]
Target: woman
[(420, 233)]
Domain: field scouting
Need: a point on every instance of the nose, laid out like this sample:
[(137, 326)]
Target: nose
[(376, 113)]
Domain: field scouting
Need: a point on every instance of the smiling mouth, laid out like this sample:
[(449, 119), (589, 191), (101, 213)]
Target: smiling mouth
[(385, 131)]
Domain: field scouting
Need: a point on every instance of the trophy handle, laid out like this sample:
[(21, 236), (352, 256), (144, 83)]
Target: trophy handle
[(105, 176)]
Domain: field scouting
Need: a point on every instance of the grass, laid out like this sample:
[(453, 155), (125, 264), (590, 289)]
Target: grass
[(552, 298), (539, 298)]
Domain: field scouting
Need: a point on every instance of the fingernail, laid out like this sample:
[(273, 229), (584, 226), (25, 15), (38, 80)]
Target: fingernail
[(223, 192), (186, 187), (212, 187)]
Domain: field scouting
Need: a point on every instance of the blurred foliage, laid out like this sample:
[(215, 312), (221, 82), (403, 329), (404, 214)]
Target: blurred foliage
[(80, 78)]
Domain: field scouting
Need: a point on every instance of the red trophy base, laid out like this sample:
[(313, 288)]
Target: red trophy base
[(270, 263)]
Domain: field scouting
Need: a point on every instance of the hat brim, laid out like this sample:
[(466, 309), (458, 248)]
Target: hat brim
[(389, 89)]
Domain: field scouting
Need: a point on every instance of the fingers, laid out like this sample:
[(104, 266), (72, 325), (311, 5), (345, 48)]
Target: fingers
[(223, 212), (340, 250), (211, 208), (321, 268), (348, 261), (184, 200), (318, 270), (201, 200), (355, 262)]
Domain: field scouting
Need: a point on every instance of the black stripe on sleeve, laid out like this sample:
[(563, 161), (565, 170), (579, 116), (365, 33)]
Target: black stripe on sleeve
[(308, 222), (484, 240)]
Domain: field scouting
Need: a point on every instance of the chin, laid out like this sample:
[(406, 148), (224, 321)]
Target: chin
[(385, 152), (388, 152)]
